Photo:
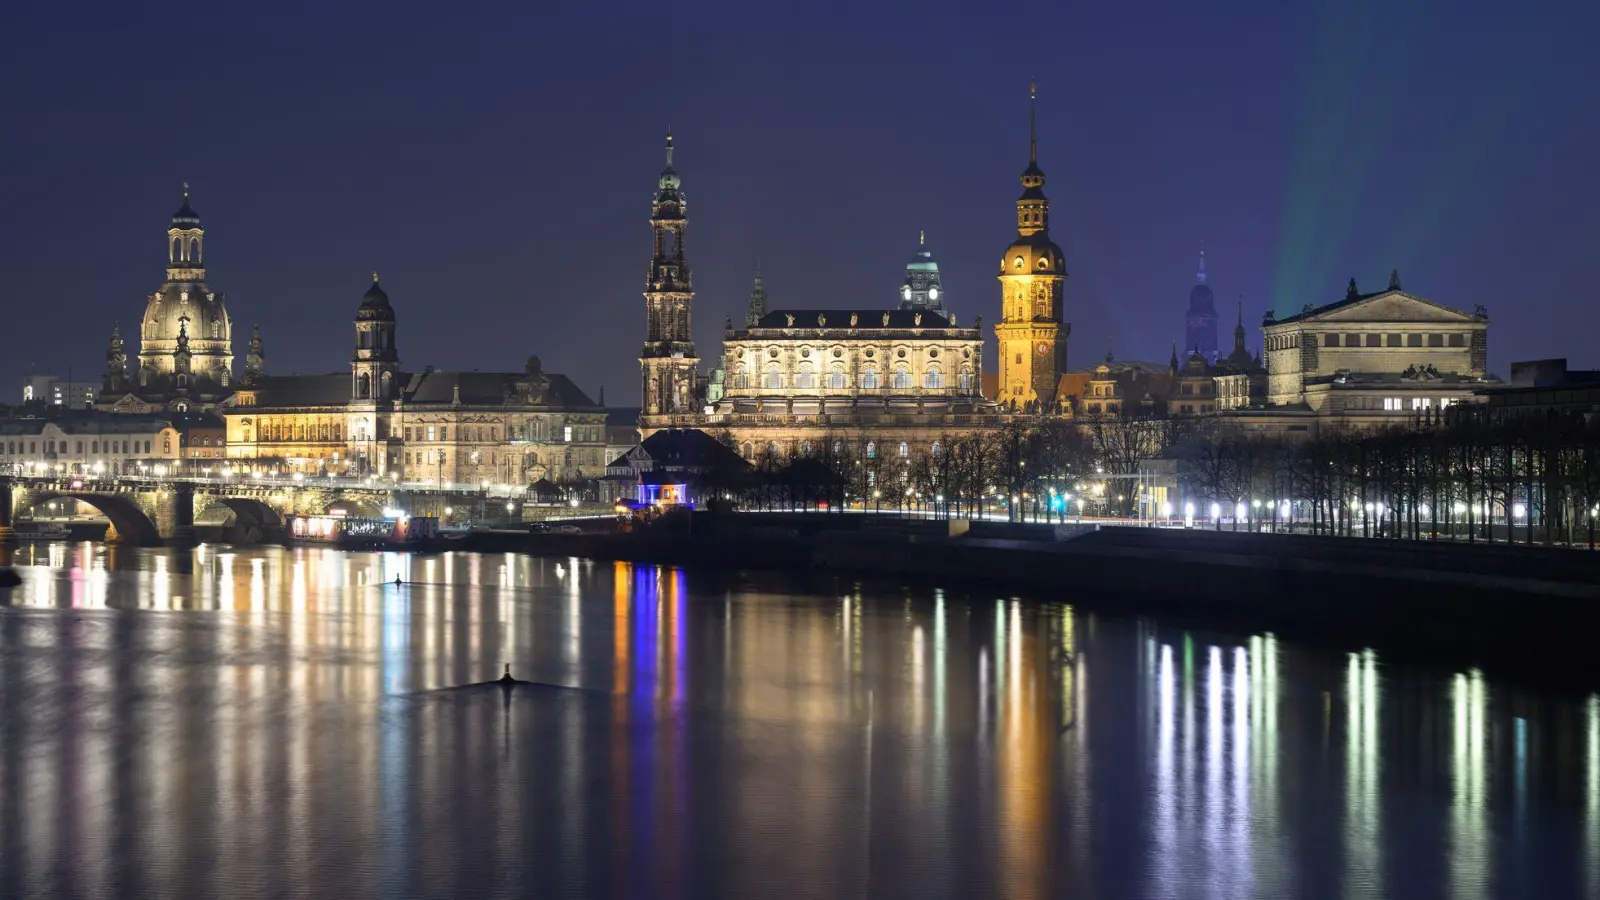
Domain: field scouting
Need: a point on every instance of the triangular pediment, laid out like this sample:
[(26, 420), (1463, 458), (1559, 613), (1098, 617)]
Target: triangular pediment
[(1391, 306)]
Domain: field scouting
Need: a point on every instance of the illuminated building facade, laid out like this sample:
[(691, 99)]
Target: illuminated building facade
[(1375, 356), (88, 442), (185, 355), (669, 368), (429, 426), (1032, 333)]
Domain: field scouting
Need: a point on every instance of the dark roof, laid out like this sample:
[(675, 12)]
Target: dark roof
[(477, 389), (865, 318), (486, 388), (303, 390), (89, 422), (185, 420), (185, 217), (685, 448), (375, 303)]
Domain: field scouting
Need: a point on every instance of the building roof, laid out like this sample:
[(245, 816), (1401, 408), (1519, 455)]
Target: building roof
[(1354, 298), (865, 318), (476, 389), (681, 448), (88, 423)]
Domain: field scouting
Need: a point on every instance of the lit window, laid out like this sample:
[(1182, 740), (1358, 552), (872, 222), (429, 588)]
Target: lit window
[(934, 379), (902, 378), (905, 449), (872, 450), (566, 433), (869, 379)]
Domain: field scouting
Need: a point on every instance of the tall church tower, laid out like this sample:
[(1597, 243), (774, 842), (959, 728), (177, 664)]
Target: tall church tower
[(1032, 332), (668, 365), (376, 360), (1200, 322)]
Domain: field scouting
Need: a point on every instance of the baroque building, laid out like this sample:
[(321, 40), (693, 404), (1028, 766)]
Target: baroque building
[(185, 354), (1200, 322), (429, 426), (1032, 333), (1368, 360), (669, 368)]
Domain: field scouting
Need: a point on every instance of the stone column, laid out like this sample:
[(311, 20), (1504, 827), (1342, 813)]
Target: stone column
[(8, 537), (181, 511)]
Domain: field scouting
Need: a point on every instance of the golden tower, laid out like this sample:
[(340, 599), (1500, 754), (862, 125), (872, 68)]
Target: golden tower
[(1032, 333), (668, 365)]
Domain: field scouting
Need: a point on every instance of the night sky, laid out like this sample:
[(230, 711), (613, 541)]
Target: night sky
[(495, 164)]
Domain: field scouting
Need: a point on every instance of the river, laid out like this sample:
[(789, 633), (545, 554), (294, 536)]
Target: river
[(289, 723)]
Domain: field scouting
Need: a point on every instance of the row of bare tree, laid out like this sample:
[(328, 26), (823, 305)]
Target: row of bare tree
[(1470, 476)]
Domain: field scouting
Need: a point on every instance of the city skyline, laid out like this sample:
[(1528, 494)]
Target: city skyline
[(502, 232)]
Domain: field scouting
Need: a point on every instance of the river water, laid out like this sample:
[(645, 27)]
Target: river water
[(288, 723)]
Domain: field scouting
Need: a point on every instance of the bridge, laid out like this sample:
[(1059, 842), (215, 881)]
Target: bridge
[(160, 511)]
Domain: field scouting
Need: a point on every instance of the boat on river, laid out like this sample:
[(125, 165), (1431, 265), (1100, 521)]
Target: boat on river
[(414, 533)]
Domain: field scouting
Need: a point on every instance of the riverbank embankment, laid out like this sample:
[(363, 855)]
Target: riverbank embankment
[(1479, 601)]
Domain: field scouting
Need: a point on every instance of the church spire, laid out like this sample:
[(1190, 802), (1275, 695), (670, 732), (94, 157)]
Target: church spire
[(758, 301), (1200, 276), (1033, 124)]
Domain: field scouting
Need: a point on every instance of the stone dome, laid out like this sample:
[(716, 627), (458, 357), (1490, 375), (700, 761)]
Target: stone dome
[(206, 311), (375, 304), (1034, 254)]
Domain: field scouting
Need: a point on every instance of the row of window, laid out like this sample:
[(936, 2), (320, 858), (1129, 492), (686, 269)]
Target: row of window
[(122, 448), (899, 381), (317, 431), (772, 449), (1333, 339), (1398, 404)]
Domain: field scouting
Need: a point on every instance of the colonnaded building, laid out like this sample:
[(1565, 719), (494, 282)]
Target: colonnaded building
[(444, 427)]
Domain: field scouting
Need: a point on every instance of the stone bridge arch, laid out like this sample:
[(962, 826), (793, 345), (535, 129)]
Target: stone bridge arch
[(251, 512), (132, 525)]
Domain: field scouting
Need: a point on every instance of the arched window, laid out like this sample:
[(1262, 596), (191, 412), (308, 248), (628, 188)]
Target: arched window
[(363, 385), (872, 450), (194, 250), (94, 446), (806, 381), (774, 379), (363, 337), (966, 380), (934, 449), (902, 377), (741, 376), (805, 448), (745, 450), (836, 378), (388, 384), (933, 378), (905, 449), (869, 379)]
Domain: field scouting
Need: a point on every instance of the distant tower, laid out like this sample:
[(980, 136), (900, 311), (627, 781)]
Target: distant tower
[(255, 362), (376, 360), (758, 301), (116, 380), (1033, 273), (921, 289), (1200, 331), (667, 363)]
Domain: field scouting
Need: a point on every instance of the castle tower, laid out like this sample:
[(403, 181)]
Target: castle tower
[(668, 365), (255, 362), (1200, 323), (1032, 333)]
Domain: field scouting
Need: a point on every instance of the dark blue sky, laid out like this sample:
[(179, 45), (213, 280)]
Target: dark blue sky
[(495, 164)]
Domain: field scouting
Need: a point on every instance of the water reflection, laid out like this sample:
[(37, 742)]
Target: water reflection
[(284, 722)]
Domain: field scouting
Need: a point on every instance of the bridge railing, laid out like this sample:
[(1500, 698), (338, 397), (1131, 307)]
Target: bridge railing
[(474, 488)]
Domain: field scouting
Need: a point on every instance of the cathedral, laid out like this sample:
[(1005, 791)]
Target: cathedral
[(185, 355), (791, 378)]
